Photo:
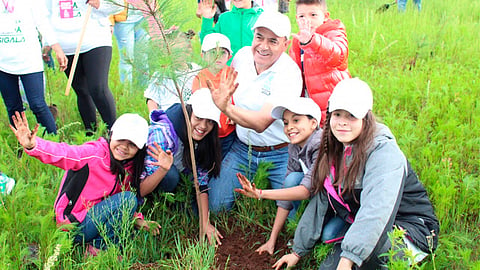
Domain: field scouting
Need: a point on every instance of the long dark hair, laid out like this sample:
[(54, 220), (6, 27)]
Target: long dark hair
[(331, 153), (118, 168), (208, 153)]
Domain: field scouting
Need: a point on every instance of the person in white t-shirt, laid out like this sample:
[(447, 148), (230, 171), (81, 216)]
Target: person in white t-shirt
[(21, 58), (265, 74)]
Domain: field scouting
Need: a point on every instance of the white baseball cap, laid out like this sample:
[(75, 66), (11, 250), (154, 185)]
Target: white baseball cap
[(297, 105), (352, 95), (214, 40), (203, 106), (132, 127), (276, 22)]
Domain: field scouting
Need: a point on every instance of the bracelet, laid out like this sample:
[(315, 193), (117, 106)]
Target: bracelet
[(260, 195), (294, 253), (303, 44)]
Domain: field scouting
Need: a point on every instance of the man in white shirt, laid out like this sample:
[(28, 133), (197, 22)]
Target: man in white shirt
[(265, 73)]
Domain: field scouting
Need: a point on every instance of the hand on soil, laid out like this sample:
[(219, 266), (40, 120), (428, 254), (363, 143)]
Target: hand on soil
[(213, 235), (25, 136), (248, 189), (269, 247), (290, 259)]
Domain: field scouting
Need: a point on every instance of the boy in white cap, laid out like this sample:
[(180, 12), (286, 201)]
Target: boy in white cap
[(301, 118), (265, 73), (216, 52)]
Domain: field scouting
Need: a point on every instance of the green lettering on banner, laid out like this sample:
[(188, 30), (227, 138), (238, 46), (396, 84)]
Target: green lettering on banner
[(18, 30), (7, 40), (75, 5), (78, 14)]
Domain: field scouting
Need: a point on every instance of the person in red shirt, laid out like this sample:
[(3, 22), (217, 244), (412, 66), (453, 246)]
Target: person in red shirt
[(321, 51), (216, 52)]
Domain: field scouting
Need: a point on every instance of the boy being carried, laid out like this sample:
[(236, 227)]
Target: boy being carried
[(321, 51)]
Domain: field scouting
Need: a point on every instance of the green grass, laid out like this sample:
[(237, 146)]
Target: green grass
[(431, 106)]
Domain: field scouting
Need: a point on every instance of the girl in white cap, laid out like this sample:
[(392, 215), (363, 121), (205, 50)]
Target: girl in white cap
[(362, 177), (301, 119), (169, 144), (95, 191)]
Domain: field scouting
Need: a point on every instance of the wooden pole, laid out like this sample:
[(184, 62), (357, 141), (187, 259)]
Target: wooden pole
[(77, 51)]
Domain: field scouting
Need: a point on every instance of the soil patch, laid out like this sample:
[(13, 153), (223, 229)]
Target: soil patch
[(237, 251)]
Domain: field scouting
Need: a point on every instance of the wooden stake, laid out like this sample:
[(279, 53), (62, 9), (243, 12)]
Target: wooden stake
[(77, 51)]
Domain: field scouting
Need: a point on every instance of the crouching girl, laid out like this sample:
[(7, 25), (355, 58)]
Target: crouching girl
[(95, 191), (362, 178)]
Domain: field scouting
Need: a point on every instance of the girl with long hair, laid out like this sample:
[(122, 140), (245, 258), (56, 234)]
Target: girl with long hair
[(364, 185), (96, 191)]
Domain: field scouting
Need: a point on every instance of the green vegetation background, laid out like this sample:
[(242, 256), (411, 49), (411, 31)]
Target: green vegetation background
[(423, 69)]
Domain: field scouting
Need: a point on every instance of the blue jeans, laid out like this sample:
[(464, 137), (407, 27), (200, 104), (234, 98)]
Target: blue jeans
[(333, 227), (35, 92), (292, 180), (127, 33), (105, 219), (170, 180), (402, 4), (221, 194)]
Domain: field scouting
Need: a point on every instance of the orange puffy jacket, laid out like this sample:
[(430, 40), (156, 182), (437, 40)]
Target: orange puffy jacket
[(325, 61)]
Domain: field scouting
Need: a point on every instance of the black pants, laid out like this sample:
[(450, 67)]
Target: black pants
[(90, 83)]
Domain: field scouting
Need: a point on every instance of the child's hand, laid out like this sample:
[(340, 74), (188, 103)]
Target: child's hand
[(25, 136), (248, 189), (164, 158), (305, 32), (213, 235), (149, 225), (269, 247), (207, 8), (290, 259)]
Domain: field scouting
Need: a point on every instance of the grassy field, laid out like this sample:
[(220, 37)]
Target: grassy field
[(423, 69)]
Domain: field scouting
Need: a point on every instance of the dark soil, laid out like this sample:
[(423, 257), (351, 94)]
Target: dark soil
[(237, 251)]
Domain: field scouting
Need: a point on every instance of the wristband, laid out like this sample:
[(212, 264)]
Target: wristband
[(294, 253)]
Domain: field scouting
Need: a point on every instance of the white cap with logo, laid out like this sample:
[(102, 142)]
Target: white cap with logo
[(276, 22), (132, 127), (297, 105), (352, 95), (203, 105), (214, 40)]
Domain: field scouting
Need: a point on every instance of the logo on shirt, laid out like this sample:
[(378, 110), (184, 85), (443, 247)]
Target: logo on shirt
[(69, 9)]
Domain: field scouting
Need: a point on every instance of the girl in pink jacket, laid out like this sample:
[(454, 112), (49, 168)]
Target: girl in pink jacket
[(95, 191)]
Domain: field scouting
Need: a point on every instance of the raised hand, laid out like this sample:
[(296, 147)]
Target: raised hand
[(222, 96), (164, 158), (25, 136), (305, 32), (207, 8), (290, 259), (248, 189)]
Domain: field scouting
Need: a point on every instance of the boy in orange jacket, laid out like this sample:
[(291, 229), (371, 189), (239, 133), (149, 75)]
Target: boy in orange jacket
[(321, 51)]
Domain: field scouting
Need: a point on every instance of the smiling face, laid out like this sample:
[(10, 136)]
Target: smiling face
[(242, 3), (314, 13), (345, 127), (298, 127), (123, 149), (200, 127), (217, 59), (267, 48)]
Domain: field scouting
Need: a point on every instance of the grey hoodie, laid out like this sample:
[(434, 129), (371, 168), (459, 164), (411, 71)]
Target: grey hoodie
[(388, 193)]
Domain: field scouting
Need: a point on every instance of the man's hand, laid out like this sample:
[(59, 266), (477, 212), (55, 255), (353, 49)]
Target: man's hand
[(223, 95)]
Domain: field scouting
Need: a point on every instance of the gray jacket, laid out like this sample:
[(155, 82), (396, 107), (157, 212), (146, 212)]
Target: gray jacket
[(388, 193), (307, 155)]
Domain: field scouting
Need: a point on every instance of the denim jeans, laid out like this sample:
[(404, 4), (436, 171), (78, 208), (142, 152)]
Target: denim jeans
[(402, 4), (105, 219), (333, 227), (35, 92), (221, 194), (292, 180), (127, 34)]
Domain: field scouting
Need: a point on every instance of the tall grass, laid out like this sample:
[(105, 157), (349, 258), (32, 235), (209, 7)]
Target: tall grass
[(423, 69)]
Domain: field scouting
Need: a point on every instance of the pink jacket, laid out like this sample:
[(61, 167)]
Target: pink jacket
[(325, 61), (87, 180)]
